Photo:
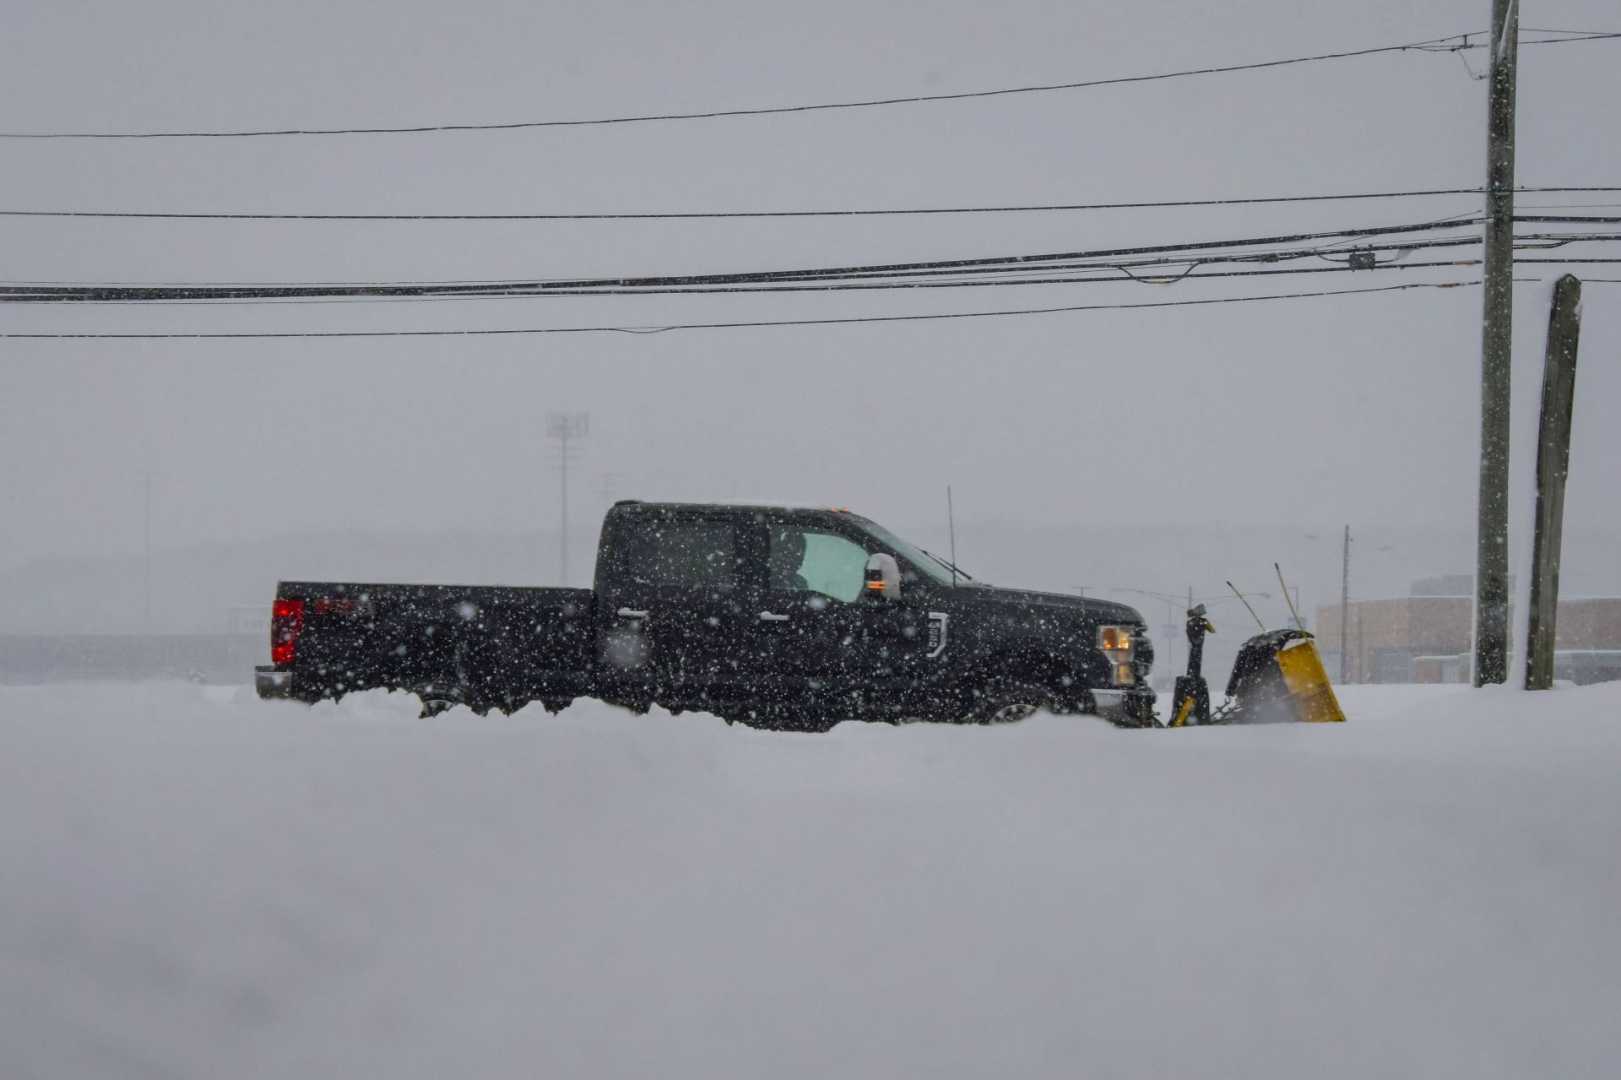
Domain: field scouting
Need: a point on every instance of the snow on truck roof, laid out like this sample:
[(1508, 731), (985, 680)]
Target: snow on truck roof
[(754, 503)]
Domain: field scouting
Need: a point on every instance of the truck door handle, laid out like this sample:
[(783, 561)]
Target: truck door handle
[(772, 616), (627, 613)]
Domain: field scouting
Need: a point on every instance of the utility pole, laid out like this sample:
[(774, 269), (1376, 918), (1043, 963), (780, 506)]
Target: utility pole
[(1345, 610), (1361, 669), (1553, 464), (1491, 539), (564, 428)]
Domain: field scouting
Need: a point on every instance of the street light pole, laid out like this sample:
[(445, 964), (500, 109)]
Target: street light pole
[(564, 427)]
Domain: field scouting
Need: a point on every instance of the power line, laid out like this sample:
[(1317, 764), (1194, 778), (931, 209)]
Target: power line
[(1452, 43), (1095, 273), (1569, 219), (980, 264), (850, 320), (207, 295), (1524, 241), (692, 215), (1098, 273), (1579, 34), (837, 286), (1192, 273)]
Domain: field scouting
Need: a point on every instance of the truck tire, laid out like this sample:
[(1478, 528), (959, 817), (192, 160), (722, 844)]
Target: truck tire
[(813, 724), (782, 720), (1006, 703), (435, 701)]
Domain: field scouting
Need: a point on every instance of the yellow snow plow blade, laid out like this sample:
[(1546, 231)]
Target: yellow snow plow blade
[(1310, 692)]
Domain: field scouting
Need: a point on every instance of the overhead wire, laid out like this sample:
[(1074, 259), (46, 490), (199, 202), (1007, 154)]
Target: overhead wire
[(1578, 33), (693, 215), (1194, 258), (1452, 43), (742, 324), (1192, 273), (1095, 274), (817, 273)]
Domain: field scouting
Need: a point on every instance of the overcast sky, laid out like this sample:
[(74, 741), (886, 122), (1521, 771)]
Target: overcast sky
[(1359, 408)]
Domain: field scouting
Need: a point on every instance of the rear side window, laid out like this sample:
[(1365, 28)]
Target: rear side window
[(675, 554)]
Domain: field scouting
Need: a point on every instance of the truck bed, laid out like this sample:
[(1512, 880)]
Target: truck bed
[(489, 646)]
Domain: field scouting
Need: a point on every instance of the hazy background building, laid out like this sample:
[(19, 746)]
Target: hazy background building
[(1425, 636)]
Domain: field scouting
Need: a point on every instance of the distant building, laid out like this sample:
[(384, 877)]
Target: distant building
[(1425, 637)]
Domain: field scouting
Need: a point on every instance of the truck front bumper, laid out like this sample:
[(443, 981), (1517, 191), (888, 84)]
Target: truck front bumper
[(1128, 706), (271, 682)]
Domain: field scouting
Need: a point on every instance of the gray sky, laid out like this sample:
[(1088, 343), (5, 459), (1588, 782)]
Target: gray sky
[(1360, 408)]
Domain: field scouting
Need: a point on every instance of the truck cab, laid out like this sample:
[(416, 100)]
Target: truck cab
[(796, 617)]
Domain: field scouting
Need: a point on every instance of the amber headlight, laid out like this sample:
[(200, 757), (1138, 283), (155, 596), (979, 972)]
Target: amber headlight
[(1118, 643)]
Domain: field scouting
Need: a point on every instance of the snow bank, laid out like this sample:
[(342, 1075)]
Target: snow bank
[(195, 883)]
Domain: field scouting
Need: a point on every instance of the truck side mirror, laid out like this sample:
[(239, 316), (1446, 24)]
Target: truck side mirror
[(883, 577)]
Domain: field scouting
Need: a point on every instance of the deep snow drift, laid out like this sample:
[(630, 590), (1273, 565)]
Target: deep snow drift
[(194, 883)]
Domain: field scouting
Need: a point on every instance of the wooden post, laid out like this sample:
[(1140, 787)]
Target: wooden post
[(1553, 464), (1491, 556)]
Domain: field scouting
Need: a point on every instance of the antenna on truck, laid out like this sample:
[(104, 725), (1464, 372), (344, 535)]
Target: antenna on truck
[(1285, 587), (1247, 607), (951, 533)]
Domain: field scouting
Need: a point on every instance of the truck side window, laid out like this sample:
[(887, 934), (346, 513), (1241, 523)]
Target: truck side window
[(692, 555), (807, 560)]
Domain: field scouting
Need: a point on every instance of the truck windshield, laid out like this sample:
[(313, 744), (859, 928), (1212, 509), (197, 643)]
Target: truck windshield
[(912, 554)]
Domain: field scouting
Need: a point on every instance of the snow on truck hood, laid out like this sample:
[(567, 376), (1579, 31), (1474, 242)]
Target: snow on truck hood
[(1106, 611)]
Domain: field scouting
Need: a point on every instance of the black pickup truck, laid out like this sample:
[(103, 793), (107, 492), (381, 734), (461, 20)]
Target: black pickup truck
[(775, 616)]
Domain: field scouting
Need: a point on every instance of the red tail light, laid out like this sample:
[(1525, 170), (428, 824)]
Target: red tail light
[(286, 621)]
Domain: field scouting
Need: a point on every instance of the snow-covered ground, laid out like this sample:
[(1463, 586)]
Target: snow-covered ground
[(194, 883)]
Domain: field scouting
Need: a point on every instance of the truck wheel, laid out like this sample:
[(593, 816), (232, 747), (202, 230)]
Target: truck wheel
[(433, 706), (1005, 703), (780, 720), (814, 724)]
